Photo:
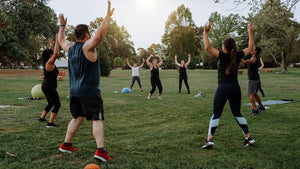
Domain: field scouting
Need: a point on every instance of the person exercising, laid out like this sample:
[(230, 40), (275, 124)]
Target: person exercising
[(228, 86), (254, 80), (155, 81), (84, 74), (182, 73), (49, 84), (135, 73), (259, 85)]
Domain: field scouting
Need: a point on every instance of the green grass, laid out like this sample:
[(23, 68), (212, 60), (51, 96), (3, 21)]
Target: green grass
[(154, 133)]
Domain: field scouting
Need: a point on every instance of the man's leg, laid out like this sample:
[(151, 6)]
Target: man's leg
[(257, 98), (98, 132), (252, 100), (72, 128)]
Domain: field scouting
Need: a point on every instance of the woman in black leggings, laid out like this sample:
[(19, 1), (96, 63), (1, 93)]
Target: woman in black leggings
[(228, 86), (182, 73), (155, 81), (49, 84)]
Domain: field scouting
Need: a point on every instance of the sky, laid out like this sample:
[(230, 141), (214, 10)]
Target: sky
[(145, 19)]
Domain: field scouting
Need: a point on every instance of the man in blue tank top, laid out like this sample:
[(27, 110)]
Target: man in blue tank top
[(84, 73)]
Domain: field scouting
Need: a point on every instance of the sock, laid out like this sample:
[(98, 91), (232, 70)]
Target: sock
[(67, 144), (102, 150)]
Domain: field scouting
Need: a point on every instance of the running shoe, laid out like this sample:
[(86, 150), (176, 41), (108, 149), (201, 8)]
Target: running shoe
[(262, 108), (249, 141), (67, 149), (254, 112), (148, 98), (42, 119), (51, 125), (102, 156), (208, 144), (159, 97)]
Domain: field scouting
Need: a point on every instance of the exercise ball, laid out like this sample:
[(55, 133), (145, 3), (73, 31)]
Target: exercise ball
[(36, 91)]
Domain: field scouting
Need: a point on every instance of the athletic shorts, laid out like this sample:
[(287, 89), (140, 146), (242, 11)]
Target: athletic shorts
[(90, 107), (253, 86)]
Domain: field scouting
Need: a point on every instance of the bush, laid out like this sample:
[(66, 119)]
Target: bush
[(118, 62)]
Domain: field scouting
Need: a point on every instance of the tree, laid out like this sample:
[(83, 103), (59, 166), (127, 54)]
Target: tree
[(118, 62), (276, 37), (116, 41), (179, 38), (27, 26)]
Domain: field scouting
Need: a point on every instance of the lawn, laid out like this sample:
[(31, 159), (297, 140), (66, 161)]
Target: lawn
[(141, 133)]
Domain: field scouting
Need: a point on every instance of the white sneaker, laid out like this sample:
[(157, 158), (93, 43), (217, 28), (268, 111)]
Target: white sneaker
[(159, 97), (148, 98)]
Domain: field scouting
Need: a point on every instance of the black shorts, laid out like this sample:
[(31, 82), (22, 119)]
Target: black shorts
[(90, 107)]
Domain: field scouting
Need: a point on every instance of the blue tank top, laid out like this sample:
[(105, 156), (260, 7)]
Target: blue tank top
[(84, 75)]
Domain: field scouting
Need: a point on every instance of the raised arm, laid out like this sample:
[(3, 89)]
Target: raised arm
[(64, 43), (160, 61), (176, 63), (262, 64), (92, 43), (50, 43), (50, 64), (148, 63), (251, 28), (250, 61), (214, 52), (189, 61), (128, 63), (142, 64)]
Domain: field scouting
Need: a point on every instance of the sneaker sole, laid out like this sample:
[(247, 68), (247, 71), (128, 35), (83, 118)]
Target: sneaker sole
[(250, 143), (65, 151), (51, 126), (99, 158), (209, 146)]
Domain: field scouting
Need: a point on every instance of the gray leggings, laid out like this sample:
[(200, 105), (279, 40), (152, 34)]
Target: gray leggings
[(137, 78)]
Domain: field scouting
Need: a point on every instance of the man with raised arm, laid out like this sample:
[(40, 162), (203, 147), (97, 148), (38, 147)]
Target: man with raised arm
[(84, 73)]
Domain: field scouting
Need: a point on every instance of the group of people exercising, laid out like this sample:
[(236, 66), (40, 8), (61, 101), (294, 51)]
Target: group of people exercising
[(85, 93)]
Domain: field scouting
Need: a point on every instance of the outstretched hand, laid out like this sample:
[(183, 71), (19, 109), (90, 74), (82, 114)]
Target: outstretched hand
[(251, 27), (109, 11), (62, 19), (207, 27), (50, 41)]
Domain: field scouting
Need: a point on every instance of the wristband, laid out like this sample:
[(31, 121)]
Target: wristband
[(62, 25)]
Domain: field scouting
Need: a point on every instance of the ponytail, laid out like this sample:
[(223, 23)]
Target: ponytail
[(229, 44)]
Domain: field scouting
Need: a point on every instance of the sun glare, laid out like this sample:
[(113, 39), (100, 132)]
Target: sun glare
[(146, 3)]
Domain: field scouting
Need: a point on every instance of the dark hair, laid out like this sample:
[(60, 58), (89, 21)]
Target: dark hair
[(46, 55), (230, 46), (258, 50), (80, 31)]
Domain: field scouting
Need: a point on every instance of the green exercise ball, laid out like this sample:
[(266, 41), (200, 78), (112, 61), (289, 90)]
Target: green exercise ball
[(36, 91)]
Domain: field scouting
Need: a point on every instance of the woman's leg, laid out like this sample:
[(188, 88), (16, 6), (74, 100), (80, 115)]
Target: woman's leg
[(139, 82), (49, 105), (180, 83), (132, 82), (235, 106), (153, 88), (56, 102), (186, 84), (159, 86)]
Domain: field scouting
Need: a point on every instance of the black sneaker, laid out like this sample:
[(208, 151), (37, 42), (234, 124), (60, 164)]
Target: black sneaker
[(189, 92), (262, 108), (208, 144), (51, 125), (249, 141), (254, 112), (42, 119)]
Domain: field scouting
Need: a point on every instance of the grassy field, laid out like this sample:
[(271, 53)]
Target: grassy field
[(141, 133)]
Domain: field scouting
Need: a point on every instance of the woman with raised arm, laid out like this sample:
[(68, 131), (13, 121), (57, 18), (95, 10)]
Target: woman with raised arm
[(228, 86), (182, 73), (135, 73), (155, 81), (49, 84)]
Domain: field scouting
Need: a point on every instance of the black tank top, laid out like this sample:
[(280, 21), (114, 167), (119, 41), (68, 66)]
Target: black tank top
[(253, 69), (154, 73), (182, 71), (50, 78)]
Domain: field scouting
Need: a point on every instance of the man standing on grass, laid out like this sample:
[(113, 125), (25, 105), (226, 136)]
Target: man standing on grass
[(84, 73), (254, 80)]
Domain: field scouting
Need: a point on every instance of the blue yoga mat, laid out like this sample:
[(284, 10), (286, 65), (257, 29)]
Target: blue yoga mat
[(270, 102)]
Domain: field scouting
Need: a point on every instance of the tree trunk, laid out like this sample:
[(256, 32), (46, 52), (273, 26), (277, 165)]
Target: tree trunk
[(283, 61), (36, 62)]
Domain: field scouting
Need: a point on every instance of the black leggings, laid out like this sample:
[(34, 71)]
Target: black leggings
[(154, 83), (52, 99), (135, 78), (185, 82), (232, 93)]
